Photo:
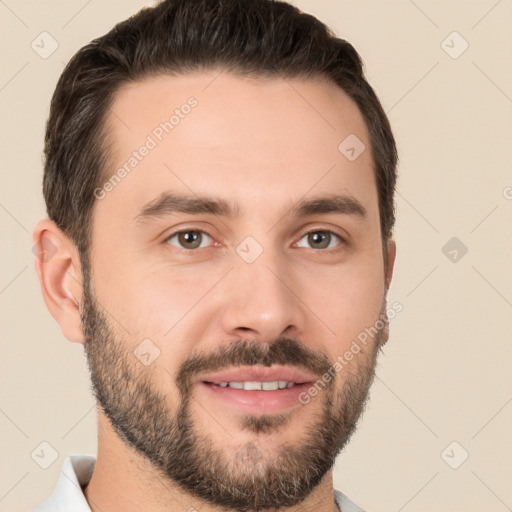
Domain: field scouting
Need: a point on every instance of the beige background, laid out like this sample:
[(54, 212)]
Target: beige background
[(445, 375)]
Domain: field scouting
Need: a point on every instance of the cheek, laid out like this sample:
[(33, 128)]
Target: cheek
[(147, 299), (156, 303), (347, 300), (165, 305)]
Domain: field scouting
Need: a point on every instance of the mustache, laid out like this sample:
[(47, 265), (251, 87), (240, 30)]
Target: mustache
[(284, 351)]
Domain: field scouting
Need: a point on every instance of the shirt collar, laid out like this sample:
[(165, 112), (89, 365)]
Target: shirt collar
[(67, 494)]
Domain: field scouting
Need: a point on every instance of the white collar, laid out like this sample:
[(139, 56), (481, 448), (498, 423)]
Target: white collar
[(67, 495)]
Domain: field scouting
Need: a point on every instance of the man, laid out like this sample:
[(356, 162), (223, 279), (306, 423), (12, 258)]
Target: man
[(219, 179)]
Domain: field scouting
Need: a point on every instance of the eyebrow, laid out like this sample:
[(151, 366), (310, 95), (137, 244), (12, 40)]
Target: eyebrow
[(172, 203)]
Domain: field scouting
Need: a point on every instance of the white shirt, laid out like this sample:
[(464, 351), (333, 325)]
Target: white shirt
[(68, 496)]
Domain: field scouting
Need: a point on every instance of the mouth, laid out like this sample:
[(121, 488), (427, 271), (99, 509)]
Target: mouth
[(255, 385), (257, 390)]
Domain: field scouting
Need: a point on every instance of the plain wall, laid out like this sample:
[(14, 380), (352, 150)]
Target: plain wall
[(445, 372)]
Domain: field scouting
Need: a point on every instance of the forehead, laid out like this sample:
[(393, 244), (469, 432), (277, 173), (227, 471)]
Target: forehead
[(219, 134)]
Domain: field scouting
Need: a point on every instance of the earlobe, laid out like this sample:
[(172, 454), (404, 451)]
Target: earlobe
[(57, 264)]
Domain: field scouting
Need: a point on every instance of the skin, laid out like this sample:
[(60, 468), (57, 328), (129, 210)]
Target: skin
[(264, 145)]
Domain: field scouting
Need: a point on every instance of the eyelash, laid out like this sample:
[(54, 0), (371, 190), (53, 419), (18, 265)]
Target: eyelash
[(339, 247)]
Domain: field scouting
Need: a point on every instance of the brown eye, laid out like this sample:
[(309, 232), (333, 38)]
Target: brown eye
[(320, 239), (189, 239)]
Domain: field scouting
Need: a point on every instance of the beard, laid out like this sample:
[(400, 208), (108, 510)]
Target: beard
[(176, 447)]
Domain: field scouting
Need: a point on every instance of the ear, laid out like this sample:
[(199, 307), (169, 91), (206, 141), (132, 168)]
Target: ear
[(57, 264), (391, 245)]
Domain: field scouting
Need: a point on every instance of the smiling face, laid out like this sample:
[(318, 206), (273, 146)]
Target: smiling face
[(233, 261)]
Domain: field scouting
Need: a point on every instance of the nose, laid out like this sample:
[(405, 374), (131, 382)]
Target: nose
[(262, 302)]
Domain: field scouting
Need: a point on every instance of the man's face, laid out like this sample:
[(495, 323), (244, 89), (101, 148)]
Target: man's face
[(188, 303)]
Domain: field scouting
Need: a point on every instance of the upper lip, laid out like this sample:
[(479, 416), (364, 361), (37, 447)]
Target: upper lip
[(259, 374)]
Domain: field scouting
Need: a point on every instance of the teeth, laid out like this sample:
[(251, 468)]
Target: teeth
[(258, 386), (249, 386)]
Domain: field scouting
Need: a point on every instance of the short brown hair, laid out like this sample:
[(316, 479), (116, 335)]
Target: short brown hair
[(249, 37)]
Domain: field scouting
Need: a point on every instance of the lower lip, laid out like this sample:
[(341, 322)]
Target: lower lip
[(258, 402)]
